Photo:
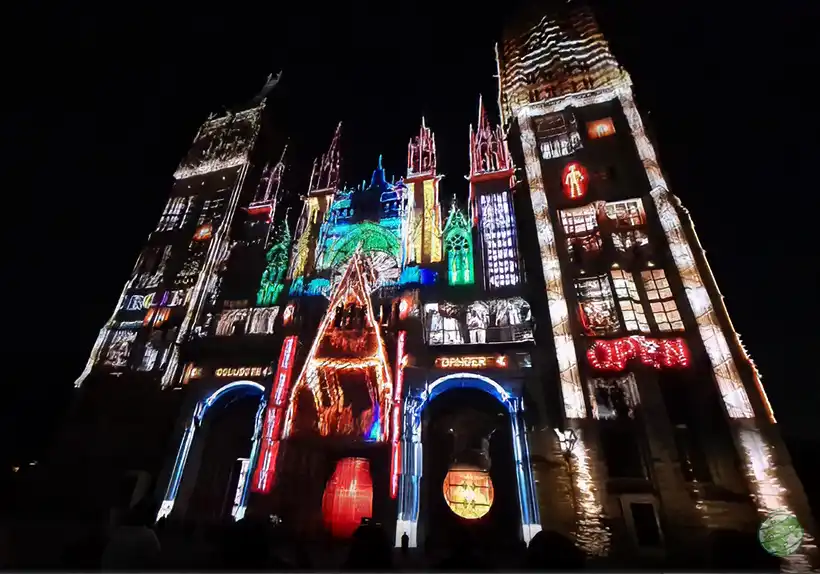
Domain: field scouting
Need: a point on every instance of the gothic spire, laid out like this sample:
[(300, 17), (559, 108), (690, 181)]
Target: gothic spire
[(421, 153), (270, 83), (325, 175)]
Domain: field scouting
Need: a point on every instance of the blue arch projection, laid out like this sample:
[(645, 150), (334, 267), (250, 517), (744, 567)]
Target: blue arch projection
[(236, 389), (412, 453)]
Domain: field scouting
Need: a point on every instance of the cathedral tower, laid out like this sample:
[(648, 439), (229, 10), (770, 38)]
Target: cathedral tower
[(659, 395), (491, 203), (424, 220)]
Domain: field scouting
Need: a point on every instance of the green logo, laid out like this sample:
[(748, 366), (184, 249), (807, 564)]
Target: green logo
[(780, 534)]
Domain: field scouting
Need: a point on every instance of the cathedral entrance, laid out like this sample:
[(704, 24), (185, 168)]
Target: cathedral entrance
[(226, 437), (208, 469), (469, 482), (326, 486), (465, 462)]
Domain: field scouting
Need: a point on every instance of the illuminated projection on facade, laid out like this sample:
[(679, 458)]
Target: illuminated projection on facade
[(491, 321), (633, 307), (345, 387), (347, 345), (473, 362)]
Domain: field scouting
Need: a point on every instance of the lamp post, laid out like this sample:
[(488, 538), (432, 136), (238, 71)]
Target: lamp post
[(567, 439)]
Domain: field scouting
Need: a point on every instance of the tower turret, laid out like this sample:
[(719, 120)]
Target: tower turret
[(423, 220), (491, 206), (324, 181)]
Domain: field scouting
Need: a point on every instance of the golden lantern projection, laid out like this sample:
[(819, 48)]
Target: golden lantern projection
[(468, 491)]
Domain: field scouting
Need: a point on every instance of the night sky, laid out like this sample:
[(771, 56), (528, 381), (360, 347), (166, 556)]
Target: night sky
[(104, 105)]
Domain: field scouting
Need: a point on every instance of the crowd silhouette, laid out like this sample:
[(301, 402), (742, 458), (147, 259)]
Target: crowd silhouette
[(136, 543)]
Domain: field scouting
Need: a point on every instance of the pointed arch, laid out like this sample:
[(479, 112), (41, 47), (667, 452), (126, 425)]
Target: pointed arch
[(321, 369), (458, 244), (410, 481), (370, 236), (235, 389)]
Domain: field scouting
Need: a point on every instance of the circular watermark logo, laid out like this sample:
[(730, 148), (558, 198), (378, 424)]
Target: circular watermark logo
[(780, 534)]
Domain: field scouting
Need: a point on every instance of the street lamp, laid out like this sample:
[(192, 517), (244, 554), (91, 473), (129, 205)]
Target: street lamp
[(567, 440)]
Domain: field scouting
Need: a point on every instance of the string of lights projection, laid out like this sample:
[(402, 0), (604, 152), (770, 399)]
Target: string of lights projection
[(551, 59), (421, 227), (616, 354), (570, 377), (221, 143), (395, 459), (208, 277), (232, 390), (273, 277), (558, 135), (324, 182), (377, 204), (761, 470), (378, 245), (328, 365), (491, 181), (265, 472), (458, 244), (409, 499)]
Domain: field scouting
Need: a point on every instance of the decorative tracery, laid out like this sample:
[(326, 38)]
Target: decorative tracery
[(272, 282), (379, 249), (458, 243), (346, 373)]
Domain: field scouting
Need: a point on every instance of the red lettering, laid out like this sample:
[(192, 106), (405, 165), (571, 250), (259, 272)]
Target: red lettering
[(615, 354)]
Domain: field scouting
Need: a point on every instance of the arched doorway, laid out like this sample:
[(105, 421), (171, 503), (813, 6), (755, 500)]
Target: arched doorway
[(470, 430), (379, 247), (243, 393), (413, 460)]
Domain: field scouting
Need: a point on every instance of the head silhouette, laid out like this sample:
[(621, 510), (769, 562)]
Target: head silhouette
[(736, 550), (550, 550), (370, 549)]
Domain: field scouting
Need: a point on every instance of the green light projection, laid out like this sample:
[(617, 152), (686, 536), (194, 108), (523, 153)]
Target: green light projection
[(458, 243), (272, 282), (371, 236)]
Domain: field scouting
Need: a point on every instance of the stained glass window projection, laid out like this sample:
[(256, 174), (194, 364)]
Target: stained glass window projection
[(458, 242), (498, 239)]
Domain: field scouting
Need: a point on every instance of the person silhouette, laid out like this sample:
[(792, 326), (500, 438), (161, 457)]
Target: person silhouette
[(405, 543), (740, 551), (133, 545), (370, 549), (550, 550)]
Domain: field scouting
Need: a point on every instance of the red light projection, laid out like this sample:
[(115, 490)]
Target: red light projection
[(600, 128), (348, 497), (203, 232), (574, 178), (272, 430), (395, 460), (615, 354)]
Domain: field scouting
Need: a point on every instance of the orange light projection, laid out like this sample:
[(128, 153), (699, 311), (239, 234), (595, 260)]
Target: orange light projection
[(468, 491), (473, 362), (203, 232), (600, 128)]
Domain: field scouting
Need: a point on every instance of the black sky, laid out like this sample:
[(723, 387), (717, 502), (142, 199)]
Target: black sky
[(105, 102)]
